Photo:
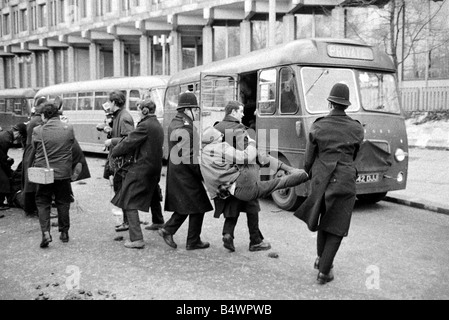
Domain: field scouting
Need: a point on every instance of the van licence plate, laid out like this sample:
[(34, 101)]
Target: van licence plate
[(368, 178)]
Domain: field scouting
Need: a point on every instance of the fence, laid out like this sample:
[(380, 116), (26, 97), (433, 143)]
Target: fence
[(425, 99)]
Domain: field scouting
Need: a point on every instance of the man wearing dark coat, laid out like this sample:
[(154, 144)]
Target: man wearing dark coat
[(185, 192), (232, 127), (140, 179), (8, 139), (332, 147), (122, 124), (55, 139)]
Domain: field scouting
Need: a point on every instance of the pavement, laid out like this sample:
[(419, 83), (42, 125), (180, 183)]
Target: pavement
[(427, 187)]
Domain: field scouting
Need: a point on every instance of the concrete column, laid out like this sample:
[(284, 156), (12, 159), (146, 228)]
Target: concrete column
[(289, 28), (71, 64), (208, 43), (94, 61), (245, 37), (145, 56), (33, 72), (119, 54), (17, 75), (51, 67), (175, 52), (2, 74), (338, 18)]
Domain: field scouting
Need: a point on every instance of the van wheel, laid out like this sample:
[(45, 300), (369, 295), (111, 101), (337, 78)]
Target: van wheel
[(371, 197), (287, 199)]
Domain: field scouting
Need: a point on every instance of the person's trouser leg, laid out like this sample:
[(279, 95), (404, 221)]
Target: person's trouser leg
[(44, 199), (175, 222), (263, 189), (229, 225), (29, 200), (156, 208), (135, 231), (255, 236), (331, 246), (195, 227), (62, 191)]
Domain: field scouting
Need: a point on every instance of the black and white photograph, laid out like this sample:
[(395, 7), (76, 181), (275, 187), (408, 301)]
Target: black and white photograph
[(224, 158)]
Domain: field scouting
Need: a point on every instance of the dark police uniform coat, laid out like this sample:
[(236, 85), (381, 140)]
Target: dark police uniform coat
[(332, 147), (28, 153), (185, 192), (143, 175)]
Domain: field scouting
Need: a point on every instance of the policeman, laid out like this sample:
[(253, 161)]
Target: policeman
[(185, 192), (332, 147)]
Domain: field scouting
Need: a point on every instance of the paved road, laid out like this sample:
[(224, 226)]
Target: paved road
[(392, 252)]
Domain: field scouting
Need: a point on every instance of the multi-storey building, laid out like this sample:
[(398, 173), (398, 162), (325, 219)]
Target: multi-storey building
[(44, 42)]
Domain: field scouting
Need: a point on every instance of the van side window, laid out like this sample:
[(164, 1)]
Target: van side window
[(69, 101), (267, 91), (134, 97), (289, 93)]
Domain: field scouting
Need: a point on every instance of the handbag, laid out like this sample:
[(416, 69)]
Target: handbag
[(42, 175)]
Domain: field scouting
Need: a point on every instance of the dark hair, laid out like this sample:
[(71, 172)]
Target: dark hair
[(118, 97), (50, 110), (232, 105), (149, 104)]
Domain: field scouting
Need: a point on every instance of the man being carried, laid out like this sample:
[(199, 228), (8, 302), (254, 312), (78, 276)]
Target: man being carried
[(224, 172)]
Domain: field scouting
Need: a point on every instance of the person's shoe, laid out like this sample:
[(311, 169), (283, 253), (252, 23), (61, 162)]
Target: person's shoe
[(64, 237), (316, 265), (46, 239), (263, 246), (325, 278), (168, 238), (155, 227), (139, 244), (228, 242), (198, 245), (122, 227)]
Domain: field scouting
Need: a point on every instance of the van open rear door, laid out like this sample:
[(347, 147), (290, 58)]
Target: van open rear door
[(216, 91)]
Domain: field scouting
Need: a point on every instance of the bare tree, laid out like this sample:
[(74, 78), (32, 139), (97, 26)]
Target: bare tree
[(404, 28)]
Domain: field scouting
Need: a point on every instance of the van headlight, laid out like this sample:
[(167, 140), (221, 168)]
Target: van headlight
[(400, 155)]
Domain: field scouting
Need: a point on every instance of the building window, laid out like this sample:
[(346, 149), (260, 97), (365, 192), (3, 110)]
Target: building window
[(226, 42), (42, 15), (15, 19), (23, 20), (33, 15), (6, 29)]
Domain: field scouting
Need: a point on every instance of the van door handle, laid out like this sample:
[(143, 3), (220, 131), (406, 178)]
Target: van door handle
[(298, 128)]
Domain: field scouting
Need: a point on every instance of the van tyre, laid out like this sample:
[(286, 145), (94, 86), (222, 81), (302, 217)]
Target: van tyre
[(371, 198), (287, 199)]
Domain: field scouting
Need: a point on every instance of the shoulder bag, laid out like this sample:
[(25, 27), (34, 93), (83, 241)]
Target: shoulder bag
[(42, 175)]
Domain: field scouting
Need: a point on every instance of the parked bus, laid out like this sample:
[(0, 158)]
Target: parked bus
[(83, 103), (15, 106), (289, 85)]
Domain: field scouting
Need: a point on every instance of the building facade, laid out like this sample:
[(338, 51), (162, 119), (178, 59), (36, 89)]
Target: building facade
[(45, 42)]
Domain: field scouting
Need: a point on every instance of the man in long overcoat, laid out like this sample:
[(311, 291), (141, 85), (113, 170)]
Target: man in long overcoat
[(141, 177), (122, 124), (185, 192), (332, 147)]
